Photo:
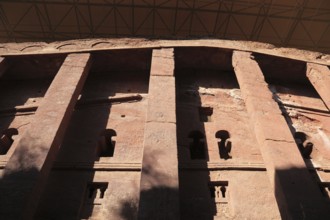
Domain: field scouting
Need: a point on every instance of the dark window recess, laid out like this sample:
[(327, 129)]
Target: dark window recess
[(304, 145), (197, 146), (6, 140), (219, 195), (205, 114), (224, 144), (92, 203), (106, 146), (218, 189), (96, 190)]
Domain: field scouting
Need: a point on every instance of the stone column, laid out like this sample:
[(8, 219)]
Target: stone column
[(319, 76), (297, 195), (26, 172), (159, 190)]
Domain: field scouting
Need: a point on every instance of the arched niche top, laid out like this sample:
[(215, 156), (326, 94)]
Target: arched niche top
[(109, 133), (222, 134)]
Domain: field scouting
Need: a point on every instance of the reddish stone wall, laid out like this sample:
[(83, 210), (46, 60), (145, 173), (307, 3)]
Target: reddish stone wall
[(191, 135)]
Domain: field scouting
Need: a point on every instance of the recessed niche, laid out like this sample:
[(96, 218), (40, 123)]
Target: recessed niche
[(219, 195), (6, 140), (305, 146), (96, 190), (224, 144), (93, 199), (205, 114), (197, 146), (106, 145)]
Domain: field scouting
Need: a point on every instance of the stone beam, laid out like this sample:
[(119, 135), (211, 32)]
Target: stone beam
[(297, 195), (26, 172), (319, 76), (159, 189)]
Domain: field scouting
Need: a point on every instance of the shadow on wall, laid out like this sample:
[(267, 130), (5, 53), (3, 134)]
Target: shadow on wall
[(304, 199), (10, 195), (195, 198), (19, 182), (75, 193), (198, 71), (24, 83), (129, 208), (299, 200), (159, 196), (18, 100)]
